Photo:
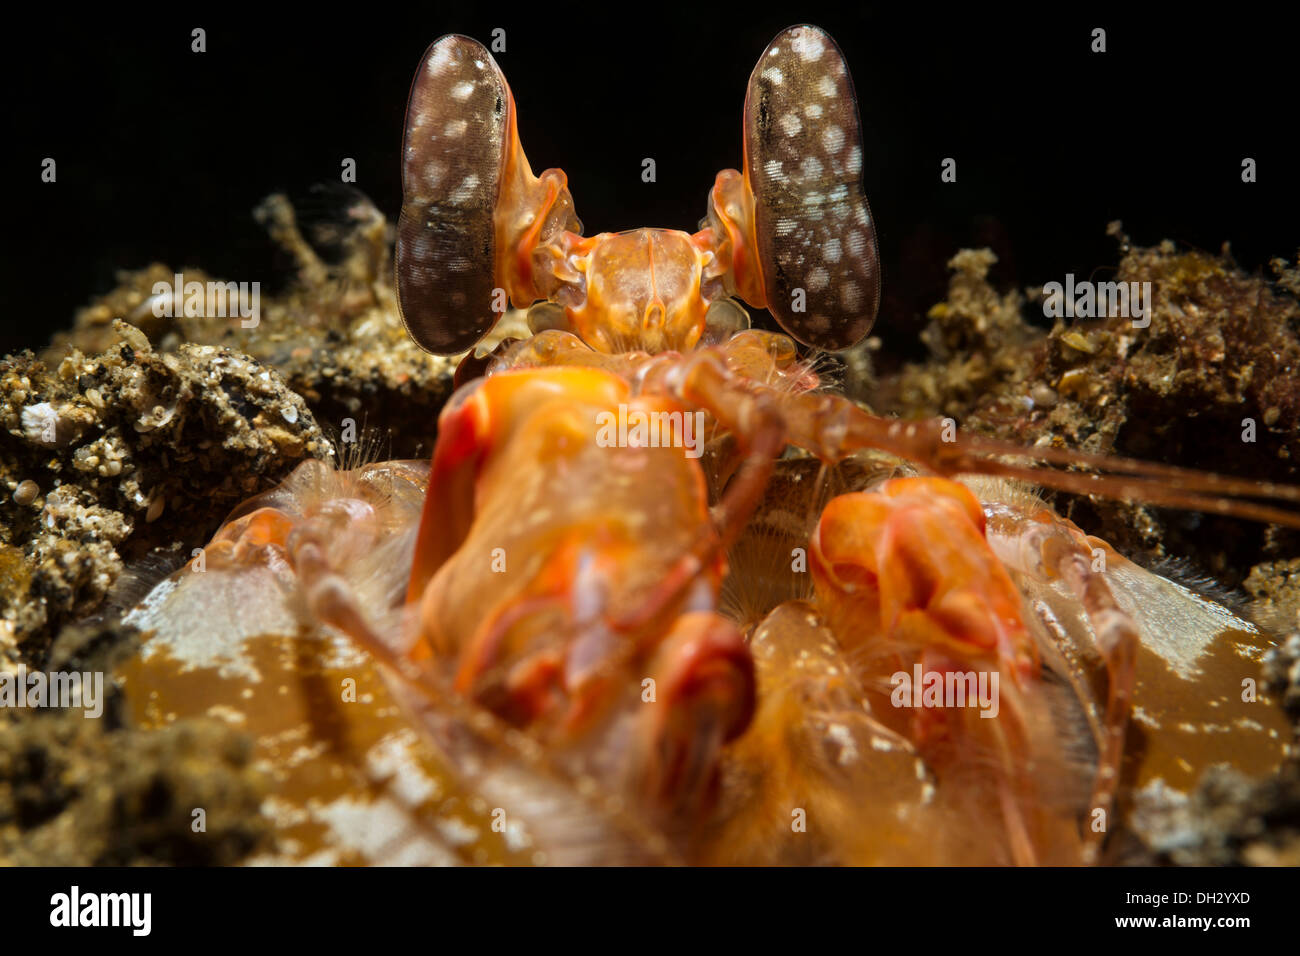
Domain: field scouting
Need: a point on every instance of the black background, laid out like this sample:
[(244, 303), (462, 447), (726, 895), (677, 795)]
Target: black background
[(162, 153)]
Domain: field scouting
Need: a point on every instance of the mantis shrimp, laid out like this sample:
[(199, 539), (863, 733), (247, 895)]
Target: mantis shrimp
[(619, 612)]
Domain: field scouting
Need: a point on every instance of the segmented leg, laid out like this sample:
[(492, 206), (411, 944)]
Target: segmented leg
[(833, 428), (907, 580), (1048, 548)]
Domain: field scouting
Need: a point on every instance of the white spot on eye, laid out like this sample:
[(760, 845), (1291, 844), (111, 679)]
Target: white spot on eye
[(464, 191), (812, 111), (480, 64), (808, 45), (784, 227), (433, 173), (455, 129), (851, 296), (811, 168), (826, 87), (833, 139), (863, 217), (813, 199), (773, 75), (441, 61), (853, 163), (857, 244), (790, 124), (832, 251), (838, 194), (774, 51), (775, 169), (818, 279), (462, 91)]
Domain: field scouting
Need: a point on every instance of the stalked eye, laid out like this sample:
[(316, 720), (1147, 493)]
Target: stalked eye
[(803, 152), (457, 123)]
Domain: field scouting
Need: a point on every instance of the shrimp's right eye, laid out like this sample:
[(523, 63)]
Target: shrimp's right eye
[(803, 152)]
